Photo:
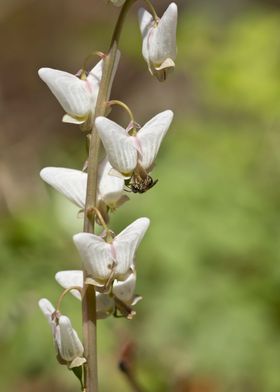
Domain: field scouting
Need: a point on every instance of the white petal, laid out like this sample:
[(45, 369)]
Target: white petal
[(70, 344), (125, 290), (145, 21), (162, 41), (70, 278), (96, 255), (47, 308), (110, 187), (71, 92), (151, 135), (71, 183), (126, 243), (93, 82), (119, 146)]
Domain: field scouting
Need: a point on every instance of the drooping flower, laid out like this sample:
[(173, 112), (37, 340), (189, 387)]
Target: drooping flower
[(73, 183), (68, 346), (133, 154), (110, 258), (159, 40), (121, 297), (76, 95)]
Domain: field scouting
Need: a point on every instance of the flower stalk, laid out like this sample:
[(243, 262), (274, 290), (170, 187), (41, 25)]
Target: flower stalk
[(88, 294), (106, 285)]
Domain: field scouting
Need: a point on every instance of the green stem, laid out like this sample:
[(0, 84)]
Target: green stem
[(152, 9), (124, 106), (88, 295)]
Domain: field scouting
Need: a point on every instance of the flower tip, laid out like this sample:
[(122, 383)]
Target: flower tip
[(46, 307), (99, 120), (44, 173), (173, 8), (43, 72)]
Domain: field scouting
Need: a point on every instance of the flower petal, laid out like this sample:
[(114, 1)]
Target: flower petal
[(163, 41), (126, 243), (69, 279), (96, 255), (151, 135), (47, 308), (104, 303), (119, 146), (110, 187), (124, 290), (70, 91), (71, 183), (70, 345)]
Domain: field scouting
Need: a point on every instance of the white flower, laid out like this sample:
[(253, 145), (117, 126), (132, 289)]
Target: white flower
[(106, 261), (68, 345), (121, 297), (73, 183), (76, 96), (159, 40), (134, 154)]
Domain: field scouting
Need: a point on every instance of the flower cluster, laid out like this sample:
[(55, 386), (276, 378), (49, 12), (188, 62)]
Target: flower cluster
[(108, 260)]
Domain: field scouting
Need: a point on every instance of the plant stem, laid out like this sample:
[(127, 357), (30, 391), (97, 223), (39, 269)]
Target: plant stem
[(88, 295)]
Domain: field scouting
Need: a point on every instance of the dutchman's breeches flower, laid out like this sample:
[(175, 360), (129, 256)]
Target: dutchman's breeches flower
[(121, 297), (111, 258), (159, 40), (132, 153), (77, 95), (67, 343), (72, 184)]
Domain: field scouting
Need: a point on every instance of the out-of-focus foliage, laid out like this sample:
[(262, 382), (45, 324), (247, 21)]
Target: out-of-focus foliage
[(209, 268)]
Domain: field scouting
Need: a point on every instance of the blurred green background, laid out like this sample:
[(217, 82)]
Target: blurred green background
[(209, 268)]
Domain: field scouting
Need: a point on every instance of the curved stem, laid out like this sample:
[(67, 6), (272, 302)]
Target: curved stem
[(66, 291), (95, 211), (123, 105), (152, 9), (120, 22)]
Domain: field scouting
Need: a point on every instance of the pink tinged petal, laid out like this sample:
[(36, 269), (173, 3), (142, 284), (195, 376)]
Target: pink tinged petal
[(110, 187), (69, 90), (151, 135), (124, 290), (96, 255), (126, 243), (119, 147), (70, 344), (71, 183), (69, 279)]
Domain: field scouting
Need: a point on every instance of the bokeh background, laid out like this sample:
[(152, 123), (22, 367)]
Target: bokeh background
[(209, 268)]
